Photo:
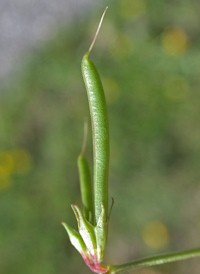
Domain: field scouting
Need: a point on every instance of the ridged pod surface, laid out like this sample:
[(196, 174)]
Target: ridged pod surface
[(100, 132)]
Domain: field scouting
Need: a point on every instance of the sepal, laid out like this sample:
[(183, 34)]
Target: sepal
[(75, 239), (86, 230)]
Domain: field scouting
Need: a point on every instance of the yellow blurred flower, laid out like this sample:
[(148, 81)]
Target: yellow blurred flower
[(175, 41), (11, 162), (6, 162), (155, 235)]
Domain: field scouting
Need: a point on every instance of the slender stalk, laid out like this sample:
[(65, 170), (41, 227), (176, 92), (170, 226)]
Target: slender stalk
[(156, 260)]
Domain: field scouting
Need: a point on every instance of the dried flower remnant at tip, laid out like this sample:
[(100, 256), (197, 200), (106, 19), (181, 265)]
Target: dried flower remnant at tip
[(13, 161), (175, 41)]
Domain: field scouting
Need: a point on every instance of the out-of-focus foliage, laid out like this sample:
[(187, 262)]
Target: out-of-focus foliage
[(148, 56)]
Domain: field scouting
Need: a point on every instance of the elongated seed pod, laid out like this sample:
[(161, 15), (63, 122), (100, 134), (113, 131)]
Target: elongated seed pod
[(86, 187), (100, 133)]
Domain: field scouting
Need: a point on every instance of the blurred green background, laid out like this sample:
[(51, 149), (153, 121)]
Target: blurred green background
[(148, 57)]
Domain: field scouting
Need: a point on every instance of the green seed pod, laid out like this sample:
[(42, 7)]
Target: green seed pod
[(100, 135), (86, 187), (98, 113), (85, 180)]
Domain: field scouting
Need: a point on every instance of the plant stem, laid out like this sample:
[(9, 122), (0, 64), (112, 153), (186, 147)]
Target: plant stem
[(156, 260)]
